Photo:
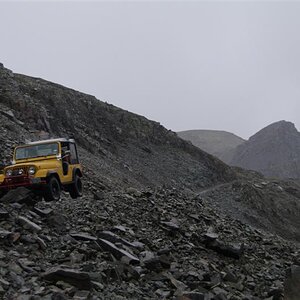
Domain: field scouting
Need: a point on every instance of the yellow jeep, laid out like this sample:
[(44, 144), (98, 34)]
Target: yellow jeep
[(47, 166)]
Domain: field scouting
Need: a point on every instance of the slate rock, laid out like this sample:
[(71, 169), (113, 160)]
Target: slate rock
[(99, 195), (230, 277), (81, 295), (83, 237), (230, 250), (20, 195), (43, 212), (114, 238), (117, 252), (77, 278), (162, 293), (210, 236), (41, 243), (29, 224), (4, 234), (4, 214), (171, 225), (57, 221), (154, 264)]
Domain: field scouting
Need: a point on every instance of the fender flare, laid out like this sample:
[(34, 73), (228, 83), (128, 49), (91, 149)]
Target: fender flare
[(53, 173)]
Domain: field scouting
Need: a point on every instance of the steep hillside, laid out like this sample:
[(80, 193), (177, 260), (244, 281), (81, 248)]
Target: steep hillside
[(218, 143), (119, 149), (274, 151), (118, 146)]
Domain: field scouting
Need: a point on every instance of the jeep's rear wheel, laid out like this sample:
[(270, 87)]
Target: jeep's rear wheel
[(53, 190), (76, 188)]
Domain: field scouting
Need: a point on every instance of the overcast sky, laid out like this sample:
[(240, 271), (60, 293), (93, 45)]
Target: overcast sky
[(233, 66)]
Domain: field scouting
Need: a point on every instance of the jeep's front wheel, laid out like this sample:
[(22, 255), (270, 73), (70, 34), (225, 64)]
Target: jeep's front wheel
[(76, 188), (53, 190)]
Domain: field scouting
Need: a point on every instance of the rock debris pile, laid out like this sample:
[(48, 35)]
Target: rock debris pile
[(270, 204), (136, 244)]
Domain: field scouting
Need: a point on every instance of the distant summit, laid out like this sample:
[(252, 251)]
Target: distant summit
[(218, 143), (273, 151)]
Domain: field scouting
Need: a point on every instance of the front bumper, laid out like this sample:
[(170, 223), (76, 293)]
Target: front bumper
[(13, 182)]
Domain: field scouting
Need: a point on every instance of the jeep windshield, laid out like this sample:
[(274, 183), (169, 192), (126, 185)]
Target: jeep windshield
[(40, 150)]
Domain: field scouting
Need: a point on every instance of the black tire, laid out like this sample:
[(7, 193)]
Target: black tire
[(53, 190), (76, 188)]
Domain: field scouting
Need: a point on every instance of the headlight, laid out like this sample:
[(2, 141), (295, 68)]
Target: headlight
[(9, 172), (20, 171), (31, 170)]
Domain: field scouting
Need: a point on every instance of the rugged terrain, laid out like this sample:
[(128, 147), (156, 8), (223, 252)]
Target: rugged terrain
[(122, 146), (160, 218), (216, 142), (146, 244)]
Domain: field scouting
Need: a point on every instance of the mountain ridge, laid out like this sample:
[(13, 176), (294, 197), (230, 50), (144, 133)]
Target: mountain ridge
[(273, 150)]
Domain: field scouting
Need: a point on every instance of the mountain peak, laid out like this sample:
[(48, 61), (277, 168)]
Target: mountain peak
[(278, 127), (281, 131), (273, 151)]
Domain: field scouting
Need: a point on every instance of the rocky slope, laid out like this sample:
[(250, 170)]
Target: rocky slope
[(160, 219), (138, 244), (272, 205), (274, 151), (218, 143), (120, 147)]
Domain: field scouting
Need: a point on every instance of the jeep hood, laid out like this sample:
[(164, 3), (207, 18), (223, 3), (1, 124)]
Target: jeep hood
[(38, 163)]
